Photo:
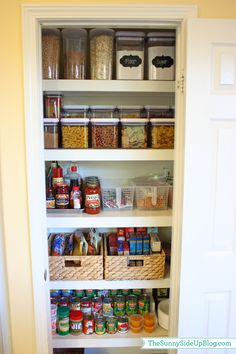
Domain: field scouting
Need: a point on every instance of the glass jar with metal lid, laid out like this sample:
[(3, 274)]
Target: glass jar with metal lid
[(161, 55), (129, 55)]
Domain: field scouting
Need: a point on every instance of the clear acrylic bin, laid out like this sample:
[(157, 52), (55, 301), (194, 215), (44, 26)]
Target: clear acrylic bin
[(104, 133), (117, 194), (51, 133), (74, 133), (152, 197), (134, 133)]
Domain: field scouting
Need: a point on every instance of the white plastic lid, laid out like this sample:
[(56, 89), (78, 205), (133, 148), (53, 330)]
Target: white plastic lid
[(162, 120), (70, 121), (108, 107), (123, 107), (51, 121), (75, 107), (104, 120), (134, 121), (129, 34)]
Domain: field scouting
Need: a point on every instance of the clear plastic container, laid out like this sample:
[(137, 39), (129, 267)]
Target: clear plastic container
[(161, 55), (101, 53), (74, 133), (134, 133), (104, 133), (130, 111), (50, 53), (75, 111), (155, 111), (51, 133), (74, 53), (130, 55), (117, 194), (103, 111), (52, 105), (162, 133), (152, 196)]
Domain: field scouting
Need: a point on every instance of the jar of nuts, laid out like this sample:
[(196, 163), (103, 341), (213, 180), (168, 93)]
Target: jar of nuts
[(162, 133), (50, 53), (104, 133), (74, 133), (101, 53)]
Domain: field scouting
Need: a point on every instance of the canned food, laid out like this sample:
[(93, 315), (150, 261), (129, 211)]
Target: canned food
[(114, 292), (91, 293), (103, 293), (125, 292), (100, 324), (107, 307), (55, 293), (144, 304), (64, 301), (122, 325), (67, 292), (111, 324), (75, 303), (137, 292), (88, 324), (63, 320), (86, 305), (97, 305), (80, 293), (55, 300), (131, 305), (119, 305)]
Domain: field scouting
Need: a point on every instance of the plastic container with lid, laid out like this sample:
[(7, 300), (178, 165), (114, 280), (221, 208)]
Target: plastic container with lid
[(74, 133), (104, 133), (75, 111), (161, 55), (103, 111), (51, 133), (50, 53), (127, 111), (160, 111), (134, 133), (74, 53), (162, 133), (76, 322), (52, 105), (101, 53), (130, 55)]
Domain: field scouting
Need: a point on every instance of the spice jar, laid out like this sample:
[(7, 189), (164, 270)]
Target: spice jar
[(76, 322), (52, 105), (129, 55), (62, 196), (103, 111), (63, 320), (101, 53), (51, 133), (162, 133), (100, 324), (74, 53), (74, 133), (104, 133), (161, 55), (92, 198), (50, 53), (134, 133)]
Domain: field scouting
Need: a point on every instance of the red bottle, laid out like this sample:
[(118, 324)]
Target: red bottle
[(92, 198)]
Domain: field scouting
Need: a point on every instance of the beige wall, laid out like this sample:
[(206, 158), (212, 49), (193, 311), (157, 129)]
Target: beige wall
[(13, 160)]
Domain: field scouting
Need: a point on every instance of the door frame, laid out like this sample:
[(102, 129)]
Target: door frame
[(130, 16)]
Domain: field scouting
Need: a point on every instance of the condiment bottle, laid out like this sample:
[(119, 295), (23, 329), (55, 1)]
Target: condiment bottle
[(62, 196), (92, 198), (75, 198), (75, 178), (57, 176), (50, 199)]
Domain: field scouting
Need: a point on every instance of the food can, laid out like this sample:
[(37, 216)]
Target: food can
[(137, 292), (122, 325), (88, 324), (144, 304), (113, 292), (55, 300), (111, 324), (107, 307), (86, 305), (55, 293), (102, 293), (91, 293), (100, 324), (67, 292), (119, 305), (131, 304), (97, 305), (64, 301), (75, 303), (80, 293), (125, 292)]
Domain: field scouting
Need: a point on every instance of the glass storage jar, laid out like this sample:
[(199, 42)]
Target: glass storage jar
[(134, 133), (51, 133), (75, 111), (74, 53), (130, 111), (155, 111), (162, 133), (50, 53), (104, 133), (130, 55), (103, 111), (74, 133), (101, 53), (161, 55)]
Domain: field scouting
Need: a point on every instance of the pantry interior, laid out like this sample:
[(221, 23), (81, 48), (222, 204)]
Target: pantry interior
[(121, 163)]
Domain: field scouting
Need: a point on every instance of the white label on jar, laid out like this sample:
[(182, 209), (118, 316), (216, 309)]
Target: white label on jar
[(161, 63), (129, 65)]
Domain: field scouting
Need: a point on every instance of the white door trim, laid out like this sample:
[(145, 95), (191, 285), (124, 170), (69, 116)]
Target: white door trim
[(148, 16)]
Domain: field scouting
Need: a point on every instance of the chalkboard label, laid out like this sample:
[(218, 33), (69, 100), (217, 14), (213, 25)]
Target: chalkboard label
[(130, 61), (162, 61)]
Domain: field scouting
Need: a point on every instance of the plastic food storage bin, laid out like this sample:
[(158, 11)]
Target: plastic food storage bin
[(161, 55), (104, 133), (162, 133), (129, 55), (152, 196), (103, 111), (125, 111), (75, 111), (155, 111), (51, 53), (74, 53), (52, 105), (101, 53), (74, 133), (50, 133), (134, 133), (117, 194)]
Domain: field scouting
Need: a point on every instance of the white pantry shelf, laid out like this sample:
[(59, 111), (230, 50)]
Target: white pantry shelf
[(107, 340), (136, 218), (108, 155)]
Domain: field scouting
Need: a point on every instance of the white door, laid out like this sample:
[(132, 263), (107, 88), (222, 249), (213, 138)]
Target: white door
[(208, 282)]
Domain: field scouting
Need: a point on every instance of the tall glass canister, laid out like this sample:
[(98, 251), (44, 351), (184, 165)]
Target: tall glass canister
[(50, 53)]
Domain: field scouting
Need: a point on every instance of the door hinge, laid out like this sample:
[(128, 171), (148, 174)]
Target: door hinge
[(45, 275), (181, 83)]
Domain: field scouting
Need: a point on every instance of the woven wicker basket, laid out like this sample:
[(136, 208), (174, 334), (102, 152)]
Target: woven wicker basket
[(116, 267), (76, 267)]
